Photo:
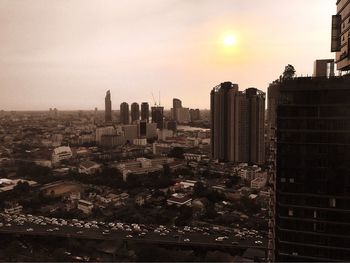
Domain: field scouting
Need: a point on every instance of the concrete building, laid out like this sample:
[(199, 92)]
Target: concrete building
[(147, 130), (61, 153), (145, 111), (179, 199), (108, 130), (237, 120), (131, 132), (182, 115), (195, 115), (340, 35), (110, 141), (124, 113), (108, 107), (135, 112)]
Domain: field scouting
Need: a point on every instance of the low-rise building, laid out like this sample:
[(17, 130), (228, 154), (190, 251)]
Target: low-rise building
[(258, 183), (61, 153), (89, 167), (85, 206), (179, 200)]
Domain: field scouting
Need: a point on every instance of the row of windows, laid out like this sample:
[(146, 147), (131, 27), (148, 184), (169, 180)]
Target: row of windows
[(317, 96), (314, 124), (315, 137)]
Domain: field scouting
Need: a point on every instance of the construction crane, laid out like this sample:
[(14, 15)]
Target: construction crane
[(154, 101)]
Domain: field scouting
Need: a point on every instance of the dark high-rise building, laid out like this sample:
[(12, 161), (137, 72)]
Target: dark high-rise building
[(157, 116), (145, 111), (340, 35), (237, 124), (135, 112), (124, 113), (312, 183), (108, 107)]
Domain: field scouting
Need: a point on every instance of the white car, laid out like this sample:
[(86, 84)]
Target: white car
[(30, 229)]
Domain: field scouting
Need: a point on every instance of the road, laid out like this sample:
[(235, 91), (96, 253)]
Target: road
[(195, 239)]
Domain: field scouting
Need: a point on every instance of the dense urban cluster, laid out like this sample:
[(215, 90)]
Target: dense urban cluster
[(78, 166)]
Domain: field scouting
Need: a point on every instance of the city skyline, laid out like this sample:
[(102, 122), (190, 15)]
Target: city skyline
[(69, 61)]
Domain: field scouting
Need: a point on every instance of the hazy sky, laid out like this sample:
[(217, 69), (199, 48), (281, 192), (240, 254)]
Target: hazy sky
[(67, 53)]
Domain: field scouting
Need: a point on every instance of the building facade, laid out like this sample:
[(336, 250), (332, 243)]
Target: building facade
[(340, 35), (311, 195), (237, 120)]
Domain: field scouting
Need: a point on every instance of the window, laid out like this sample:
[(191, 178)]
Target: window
[(290, 212), (291, 180), (332, 202), (315, 214), (283, 180)]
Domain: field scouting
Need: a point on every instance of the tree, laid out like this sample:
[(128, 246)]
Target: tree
[(289, 72), (199, 190), (177, 152), (22, 187)]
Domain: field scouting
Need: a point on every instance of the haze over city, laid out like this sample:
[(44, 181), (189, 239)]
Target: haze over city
[(67, 54)]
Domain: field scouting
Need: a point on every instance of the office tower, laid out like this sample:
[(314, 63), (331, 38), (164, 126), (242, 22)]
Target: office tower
[(135, 112), (157, 116), (237, 120), (340, 35), (124, 113), (145, 111), (312, 186), (108, 107)]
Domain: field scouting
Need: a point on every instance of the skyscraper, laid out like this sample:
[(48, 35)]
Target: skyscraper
[(108, 107), (312, 186), (124, 113), (135, 112), (145, 111), (340, 35), (237, 119), (157, 116)]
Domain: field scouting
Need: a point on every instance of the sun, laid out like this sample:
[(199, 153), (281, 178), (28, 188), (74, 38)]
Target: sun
[(230, 40)]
